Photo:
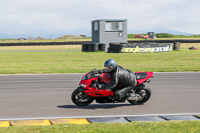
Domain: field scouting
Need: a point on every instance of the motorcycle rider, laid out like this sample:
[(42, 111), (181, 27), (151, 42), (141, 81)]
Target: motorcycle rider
[(121, 76)]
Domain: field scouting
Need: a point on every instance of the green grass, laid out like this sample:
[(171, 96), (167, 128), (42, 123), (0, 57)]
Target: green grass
[(7, 39), (133, 127), (81, 62)]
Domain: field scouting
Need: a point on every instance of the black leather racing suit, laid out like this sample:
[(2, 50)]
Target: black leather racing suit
[(123, 77)]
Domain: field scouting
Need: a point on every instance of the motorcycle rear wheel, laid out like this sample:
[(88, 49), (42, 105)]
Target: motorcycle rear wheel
[(144, 94), (80, 98)]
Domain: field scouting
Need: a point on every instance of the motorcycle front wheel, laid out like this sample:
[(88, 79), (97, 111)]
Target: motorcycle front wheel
[(80, 98), (142, 95)]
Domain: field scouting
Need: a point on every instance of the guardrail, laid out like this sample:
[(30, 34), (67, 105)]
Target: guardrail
[(84, 42), (44, 43), (167, 41)]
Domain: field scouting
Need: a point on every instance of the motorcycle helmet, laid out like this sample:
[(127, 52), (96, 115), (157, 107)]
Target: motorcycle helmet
[(110, 65)]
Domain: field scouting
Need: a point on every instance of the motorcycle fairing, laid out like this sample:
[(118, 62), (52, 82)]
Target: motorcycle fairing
[(88, 78), (94, 92), (106, 78), (141, 75), (142, 80)]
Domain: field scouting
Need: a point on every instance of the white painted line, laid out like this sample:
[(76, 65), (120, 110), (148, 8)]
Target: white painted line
[(74, 117), (38, 74), (77, 73), (176, 72)]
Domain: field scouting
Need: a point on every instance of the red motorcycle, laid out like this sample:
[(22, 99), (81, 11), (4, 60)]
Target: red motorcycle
[(88, 92)]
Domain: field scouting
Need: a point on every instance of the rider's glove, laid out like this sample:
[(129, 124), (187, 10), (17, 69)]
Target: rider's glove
[(100, 86), (95, 72), (99, 71)]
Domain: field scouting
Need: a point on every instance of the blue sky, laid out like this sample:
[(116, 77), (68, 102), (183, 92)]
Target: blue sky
[(48, 18)]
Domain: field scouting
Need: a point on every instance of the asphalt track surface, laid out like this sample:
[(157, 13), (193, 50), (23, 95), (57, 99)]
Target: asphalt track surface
[(36, 96)]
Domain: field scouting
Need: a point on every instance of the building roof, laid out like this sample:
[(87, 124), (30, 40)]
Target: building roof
[(110, 20)]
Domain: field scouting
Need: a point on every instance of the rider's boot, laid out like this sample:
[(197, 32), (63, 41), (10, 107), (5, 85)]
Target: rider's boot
[(124, 93)]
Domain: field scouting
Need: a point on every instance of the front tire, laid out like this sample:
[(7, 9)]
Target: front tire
[(143, 96), (80, 98)]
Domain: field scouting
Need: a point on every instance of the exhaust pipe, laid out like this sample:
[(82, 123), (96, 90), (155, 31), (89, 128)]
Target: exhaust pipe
[(133, 98)]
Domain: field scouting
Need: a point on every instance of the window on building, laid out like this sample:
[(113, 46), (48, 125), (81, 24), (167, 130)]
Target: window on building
[(114, 26), (96, 26)]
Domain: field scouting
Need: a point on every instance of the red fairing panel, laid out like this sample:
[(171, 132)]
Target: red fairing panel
[(93, 92), (106, 78), (87, 82), (140, 81)]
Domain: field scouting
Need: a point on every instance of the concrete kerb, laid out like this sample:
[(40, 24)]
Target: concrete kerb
[(98, 119)]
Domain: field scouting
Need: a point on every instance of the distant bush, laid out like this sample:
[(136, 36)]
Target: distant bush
[(167, 35), (131, 35), (184, 36), (164, 35)]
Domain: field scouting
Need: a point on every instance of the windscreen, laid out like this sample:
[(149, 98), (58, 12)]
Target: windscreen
[(90, 75)]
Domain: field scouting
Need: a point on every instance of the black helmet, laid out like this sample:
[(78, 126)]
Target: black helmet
[(110, 65)]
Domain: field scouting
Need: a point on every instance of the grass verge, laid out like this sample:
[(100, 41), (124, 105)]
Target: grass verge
[(81, 62), (132, 127)]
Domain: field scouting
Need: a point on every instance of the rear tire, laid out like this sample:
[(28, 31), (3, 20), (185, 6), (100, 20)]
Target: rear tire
[(80, 98), (144, 94)]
